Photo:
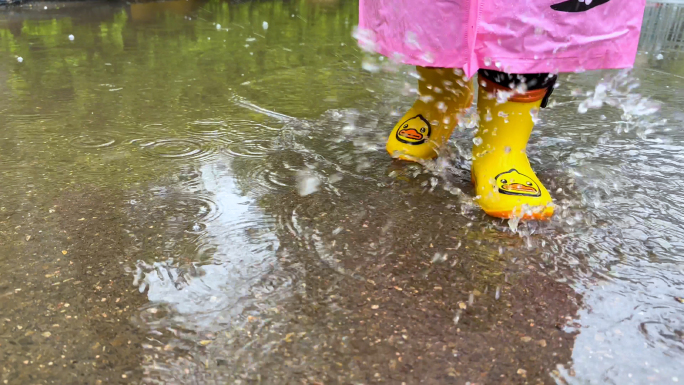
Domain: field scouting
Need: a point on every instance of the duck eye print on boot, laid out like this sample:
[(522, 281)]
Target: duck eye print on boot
[(512, 182), (577, 5), (414, 131)]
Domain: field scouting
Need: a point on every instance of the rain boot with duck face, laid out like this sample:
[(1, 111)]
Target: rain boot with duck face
[(427, 126), (506, 186)]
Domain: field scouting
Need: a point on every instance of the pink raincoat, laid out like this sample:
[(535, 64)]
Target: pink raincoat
[(514, 36)]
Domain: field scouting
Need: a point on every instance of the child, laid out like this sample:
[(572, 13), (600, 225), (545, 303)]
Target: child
[(514, 46)]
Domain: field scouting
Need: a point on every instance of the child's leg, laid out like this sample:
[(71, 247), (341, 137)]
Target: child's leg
[(505, 184), (431, 120)]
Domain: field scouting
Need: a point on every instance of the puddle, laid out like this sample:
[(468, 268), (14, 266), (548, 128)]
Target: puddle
[(199, 192)]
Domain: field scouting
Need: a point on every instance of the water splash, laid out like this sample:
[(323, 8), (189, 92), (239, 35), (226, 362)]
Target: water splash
[(307, 182), (618, 91)]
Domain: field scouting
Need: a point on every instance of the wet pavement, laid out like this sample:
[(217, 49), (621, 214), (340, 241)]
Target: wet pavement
[(197, 192)]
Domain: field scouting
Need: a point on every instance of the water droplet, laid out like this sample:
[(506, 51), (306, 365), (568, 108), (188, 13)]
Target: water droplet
[(411, 40), (71, 37), (507, 149), (365, 38), (20, 59), (426, 98), (307, 183), (582, 108), (477, 140), (370, 65), (535, 115), (335, 178), (513, 223), (218, 26), (488, 61), (428, 57), (503, 96), (659, 57), (264, 25)]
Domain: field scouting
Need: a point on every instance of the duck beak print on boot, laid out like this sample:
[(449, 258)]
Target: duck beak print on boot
[(428, 124), (505, 184), (512, 182), (414, 131)]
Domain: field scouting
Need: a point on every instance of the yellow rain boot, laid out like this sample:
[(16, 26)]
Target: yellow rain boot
[(506, 186), (427, 126)]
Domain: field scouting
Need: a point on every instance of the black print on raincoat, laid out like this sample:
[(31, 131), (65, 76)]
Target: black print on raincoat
[(577, 5)]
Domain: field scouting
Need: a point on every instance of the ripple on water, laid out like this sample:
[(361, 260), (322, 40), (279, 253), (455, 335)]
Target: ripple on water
[(177, 149), (265, 177), (213, 130), (203, 208), (93, 141), (251, 148), (231, 131), (220, 273), (665, 332), (250, 126), (196, 228)]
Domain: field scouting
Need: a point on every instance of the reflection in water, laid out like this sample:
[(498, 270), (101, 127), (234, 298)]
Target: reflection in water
[(152, 10), (163, 146), (208, 296), (329, 4)]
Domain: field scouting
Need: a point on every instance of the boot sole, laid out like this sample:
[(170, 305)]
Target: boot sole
[(543, 215)]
